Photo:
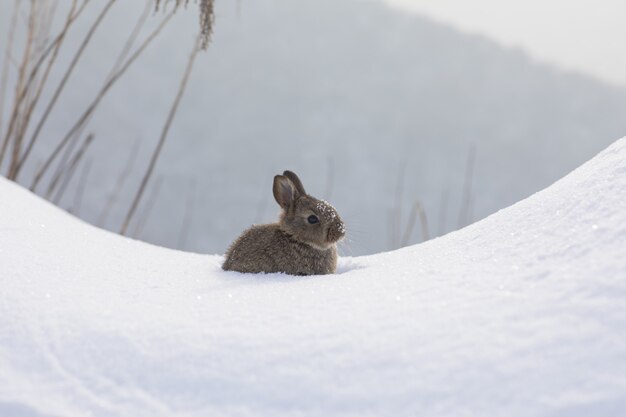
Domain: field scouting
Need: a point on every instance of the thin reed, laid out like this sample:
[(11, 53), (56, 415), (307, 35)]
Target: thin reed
[(27, 106)]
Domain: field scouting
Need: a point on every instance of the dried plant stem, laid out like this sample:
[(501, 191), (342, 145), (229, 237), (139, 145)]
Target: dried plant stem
[(443, 210), (206, 14), (118, 187), (80, 190), (166, 128), (150, 203), (73, 164), (77, 132), (130, 162), (418, 210), (54, 44), (467, 188), (63, 82), (7, 59), (40, 173), (15, 161), (120, 59), (187, 217), (43, 28), (131, 39), (19, 121), (20, 90), (391, 225), (396, 213), (62, 166)]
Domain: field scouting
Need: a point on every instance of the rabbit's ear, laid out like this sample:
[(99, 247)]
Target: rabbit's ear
[(284, 191), (296, 181)]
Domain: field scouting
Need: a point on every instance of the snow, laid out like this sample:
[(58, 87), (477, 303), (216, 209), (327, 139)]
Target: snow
[(521, 314)]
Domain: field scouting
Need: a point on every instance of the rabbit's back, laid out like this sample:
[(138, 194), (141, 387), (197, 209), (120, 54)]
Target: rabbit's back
[(266, 248)]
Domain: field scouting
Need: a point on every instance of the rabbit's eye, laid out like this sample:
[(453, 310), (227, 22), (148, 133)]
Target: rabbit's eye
[(313, 219)]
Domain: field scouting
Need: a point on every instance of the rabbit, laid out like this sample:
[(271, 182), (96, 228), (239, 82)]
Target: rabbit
[(302, 242)]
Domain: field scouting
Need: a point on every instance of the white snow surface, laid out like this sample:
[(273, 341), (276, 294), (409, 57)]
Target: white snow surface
[(521, 314)]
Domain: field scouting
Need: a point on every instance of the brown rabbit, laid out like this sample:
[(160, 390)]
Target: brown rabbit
[(302, 242)]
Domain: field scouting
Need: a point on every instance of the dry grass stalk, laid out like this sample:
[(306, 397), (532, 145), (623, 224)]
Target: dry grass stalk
[(206, 13), (62, 84), (165, 131), (464, 213), (80, 190), (20, 89), (417, 210), (74, 136), (94, 104), (62, 167), (132, 38), (400, 236), (40, 52), (187, 217), (73, 164), (44, 19), (58, 39), (395, 215), (15, 160), (119, 184), (443, 211), (7, 59), (150, 203), (55, 43)]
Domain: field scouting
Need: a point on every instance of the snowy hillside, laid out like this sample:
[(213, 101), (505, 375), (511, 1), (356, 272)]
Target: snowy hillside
[(521, 314), (331, 95)]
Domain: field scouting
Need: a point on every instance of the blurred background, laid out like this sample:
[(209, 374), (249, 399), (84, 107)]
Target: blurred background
[(412, 117)]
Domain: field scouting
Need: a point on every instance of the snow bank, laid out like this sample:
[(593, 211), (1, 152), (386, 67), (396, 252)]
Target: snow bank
[(521, 314)]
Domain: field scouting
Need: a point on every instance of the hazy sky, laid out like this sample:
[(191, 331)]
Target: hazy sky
[(584, 35)]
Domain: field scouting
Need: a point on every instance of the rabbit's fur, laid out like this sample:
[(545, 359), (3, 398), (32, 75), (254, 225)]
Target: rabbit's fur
[(293, 245)]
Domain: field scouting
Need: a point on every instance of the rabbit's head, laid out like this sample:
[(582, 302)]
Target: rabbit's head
[(307, 219)]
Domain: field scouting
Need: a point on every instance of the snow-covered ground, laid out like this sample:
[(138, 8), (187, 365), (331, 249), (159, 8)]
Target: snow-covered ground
[(521, 314)]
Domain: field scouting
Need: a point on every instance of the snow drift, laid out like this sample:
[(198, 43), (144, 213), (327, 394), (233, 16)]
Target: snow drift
[(521, 314)]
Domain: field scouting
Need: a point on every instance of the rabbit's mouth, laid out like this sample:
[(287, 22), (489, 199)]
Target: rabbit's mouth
[(336, 232)]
